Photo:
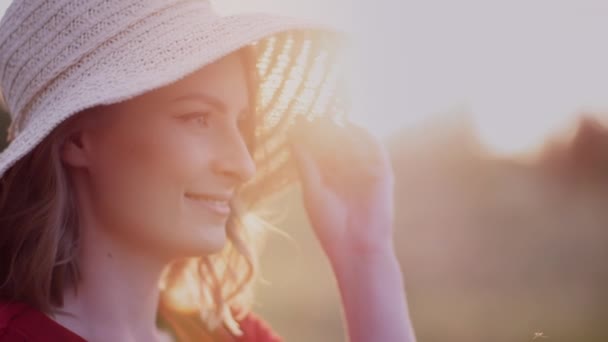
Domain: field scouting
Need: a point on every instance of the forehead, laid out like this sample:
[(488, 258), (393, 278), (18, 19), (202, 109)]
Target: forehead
[(228, 71), (224, 80)]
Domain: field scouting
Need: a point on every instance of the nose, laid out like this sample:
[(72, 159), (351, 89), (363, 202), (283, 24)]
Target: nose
[(233, 159)]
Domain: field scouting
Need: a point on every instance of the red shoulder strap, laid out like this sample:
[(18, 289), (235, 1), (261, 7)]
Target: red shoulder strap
[(23, 321)]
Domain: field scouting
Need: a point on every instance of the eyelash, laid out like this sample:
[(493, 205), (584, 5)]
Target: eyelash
[(205, 116), (197, 116)]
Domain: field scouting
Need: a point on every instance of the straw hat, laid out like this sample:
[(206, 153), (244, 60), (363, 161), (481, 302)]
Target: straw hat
[(59, 57)]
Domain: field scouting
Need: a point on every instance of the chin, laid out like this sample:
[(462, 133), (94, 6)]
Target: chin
[(212, 247), (208, 242), (192, 239)]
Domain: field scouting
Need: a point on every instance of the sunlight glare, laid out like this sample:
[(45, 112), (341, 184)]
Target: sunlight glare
[(515, 129), (521, 81)]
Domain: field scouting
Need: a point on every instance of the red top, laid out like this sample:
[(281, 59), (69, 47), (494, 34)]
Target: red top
[(20, 322)]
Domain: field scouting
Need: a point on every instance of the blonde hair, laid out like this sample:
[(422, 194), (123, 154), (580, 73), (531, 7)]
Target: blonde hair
[(39, 240)]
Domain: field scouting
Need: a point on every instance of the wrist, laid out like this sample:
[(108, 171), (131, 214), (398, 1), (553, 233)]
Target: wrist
[(361, 261)]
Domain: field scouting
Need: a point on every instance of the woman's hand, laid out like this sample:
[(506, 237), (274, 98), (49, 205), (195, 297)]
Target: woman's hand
[(347, 185)]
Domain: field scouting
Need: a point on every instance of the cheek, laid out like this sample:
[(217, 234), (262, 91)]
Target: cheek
[(140, 178)]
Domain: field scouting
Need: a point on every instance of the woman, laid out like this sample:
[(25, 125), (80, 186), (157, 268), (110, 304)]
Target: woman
[(143, 134)]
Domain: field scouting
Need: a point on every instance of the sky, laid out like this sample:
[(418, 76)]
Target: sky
[(522, 68)]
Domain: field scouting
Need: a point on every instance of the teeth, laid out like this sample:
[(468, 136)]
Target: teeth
[(219, 206), (213, 201)]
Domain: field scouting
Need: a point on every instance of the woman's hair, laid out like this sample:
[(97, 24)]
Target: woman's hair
[(39, 236)]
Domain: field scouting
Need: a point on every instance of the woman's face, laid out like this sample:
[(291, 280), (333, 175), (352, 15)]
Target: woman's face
[(163, 166)]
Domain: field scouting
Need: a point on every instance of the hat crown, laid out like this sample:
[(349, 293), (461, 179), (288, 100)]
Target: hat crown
[(39, 39), (60, 57)]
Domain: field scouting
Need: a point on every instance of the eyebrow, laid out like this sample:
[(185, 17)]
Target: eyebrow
[(209, 99)]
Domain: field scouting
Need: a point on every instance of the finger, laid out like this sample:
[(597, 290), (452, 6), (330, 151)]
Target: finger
[(313, 193), (367, 144), (355, 147), (305, 164)]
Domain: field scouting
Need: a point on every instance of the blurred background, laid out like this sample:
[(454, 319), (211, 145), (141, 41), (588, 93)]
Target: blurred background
[(493, 113)]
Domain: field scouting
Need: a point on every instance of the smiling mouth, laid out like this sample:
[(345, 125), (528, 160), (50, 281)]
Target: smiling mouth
[(213, 204)]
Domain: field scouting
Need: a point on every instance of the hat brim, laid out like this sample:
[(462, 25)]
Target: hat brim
[(298, 65)]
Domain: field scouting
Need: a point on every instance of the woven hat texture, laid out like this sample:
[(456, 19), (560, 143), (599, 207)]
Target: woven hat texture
[(59, 57)]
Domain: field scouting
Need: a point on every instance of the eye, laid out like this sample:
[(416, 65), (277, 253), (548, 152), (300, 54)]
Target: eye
[(200, 119)]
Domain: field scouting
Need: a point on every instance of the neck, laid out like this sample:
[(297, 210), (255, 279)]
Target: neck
[(117, 296)]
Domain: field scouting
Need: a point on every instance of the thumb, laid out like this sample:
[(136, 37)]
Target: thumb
[(308, 170), (314, 197)]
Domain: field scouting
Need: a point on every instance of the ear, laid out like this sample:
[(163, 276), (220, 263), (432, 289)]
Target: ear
[(77, 147), (75, 151)]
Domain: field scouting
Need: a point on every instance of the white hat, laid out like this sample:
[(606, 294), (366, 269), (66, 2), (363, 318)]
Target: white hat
[(59, 57)]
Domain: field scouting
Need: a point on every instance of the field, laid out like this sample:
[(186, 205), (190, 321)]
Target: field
[(492, 249)]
